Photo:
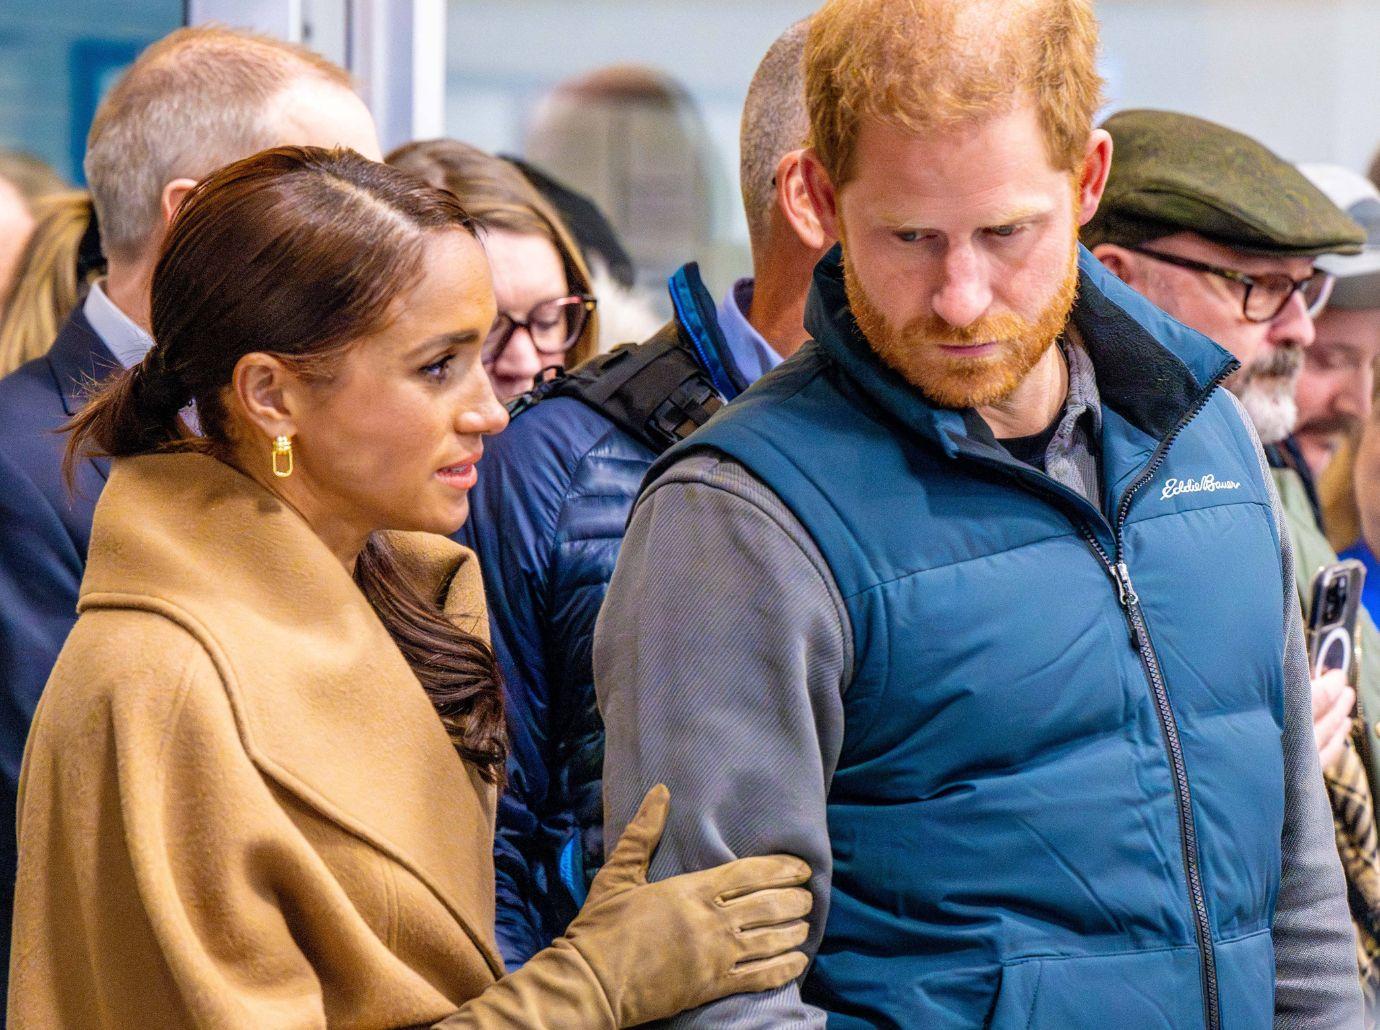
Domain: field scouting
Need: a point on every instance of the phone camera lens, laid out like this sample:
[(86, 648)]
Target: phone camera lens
[(1335, 600)]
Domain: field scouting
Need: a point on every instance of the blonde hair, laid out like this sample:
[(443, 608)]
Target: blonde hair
[(32, 177), (193, 102), (46, 285), (1337, 496), (498, 196), (923, 65)]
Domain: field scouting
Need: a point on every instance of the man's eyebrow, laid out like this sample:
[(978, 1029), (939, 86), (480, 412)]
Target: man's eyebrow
[(1022, 213), (1004, 216)]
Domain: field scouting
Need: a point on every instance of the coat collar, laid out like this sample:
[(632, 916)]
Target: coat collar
[(698, 318), (324, 702), (1150, 369), (79, 359)]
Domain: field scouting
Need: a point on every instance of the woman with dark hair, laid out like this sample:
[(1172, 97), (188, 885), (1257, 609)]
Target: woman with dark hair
[(259, 788)]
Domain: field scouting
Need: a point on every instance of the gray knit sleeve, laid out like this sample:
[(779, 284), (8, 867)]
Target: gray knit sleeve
[(720, 657), (1317, 983)]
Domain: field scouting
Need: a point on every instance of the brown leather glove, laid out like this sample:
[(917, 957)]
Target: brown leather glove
[(664, 947), (639, 952)]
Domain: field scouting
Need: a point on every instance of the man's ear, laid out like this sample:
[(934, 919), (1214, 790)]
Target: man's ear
[(266, 393), (793, 201), (174, 193), (1118, 261), (820, 189), (1092, 179)]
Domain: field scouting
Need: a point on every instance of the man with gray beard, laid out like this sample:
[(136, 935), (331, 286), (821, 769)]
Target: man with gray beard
[(1221, 233)]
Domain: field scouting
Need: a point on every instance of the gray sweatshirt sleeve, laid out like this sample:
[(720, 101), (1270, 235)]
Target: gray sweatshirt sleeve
[(1317, 983), (720, 657)]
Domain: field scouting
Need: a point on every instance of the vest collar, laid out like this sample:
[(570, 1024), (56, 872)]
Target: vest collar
[(698, 317), (1151, 370), (324, 702)]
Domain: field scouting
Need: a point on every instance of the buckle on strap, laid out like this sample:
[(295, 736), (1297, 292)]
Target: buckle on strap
[(690, 406)]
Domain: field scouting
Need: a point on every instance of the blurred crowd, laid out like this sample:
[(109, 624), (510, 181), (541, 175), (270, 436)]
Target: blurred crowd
[(867, 619)]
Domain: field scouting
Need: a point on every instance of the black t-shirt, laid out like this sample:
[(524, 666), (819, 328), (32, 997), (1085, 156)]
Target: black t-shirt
[(1032, 449)]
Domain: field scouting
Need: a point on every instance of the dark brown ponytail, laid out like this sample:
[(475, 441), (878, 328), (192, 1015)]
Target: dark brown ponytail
[(297, 252)]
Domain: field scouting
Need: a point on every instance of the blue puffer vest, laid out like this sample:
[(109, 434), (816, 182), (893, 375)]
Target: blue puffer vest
[(1060, 795)]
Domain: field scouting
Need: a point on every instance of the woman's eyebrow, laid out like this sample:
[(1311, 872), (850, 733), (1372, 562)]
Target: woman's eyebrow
[(457, 339)]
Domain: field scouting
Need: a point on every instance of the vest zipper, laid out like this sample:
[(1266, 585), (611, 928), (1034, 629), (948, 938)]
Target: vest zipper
[(1120, 574), (1169, 730)]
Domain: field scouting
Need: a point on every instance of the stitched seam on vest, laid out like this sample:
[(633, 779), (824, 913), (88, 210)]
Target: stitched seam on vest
[(1035, 996), (1030, 543), (1161, 950), (1248, 502)]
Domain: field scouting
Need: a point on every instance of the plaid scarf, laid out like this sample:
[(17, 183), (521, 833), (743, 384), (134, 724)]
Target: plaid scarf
[(1353, 816)]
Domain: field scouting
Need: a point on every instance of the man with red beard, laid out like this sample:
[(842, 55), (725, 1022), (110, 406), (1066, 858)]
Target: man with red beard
[(979, 602)]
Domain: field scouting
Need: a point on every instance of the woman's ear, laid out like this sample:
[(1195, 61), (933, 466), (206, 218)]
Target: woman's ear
[(267, 394), (793, 200)]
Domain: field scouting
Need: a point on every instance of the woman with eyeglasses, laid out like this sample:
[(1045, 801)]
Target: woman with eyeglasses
[(547, 316), (259, 789)]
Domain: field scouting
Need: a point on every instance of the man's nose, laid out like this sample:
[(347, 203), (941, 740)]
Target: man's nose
[(1293, 325), (966, 292), (1353, 398)]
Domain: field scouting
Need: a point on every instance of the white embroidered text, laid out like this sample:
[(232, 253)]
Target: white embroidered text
[(1206, 485)]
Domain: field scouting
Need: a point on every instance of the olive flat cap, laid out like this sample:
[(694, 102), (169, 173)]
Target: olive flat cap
[(1174, 173)]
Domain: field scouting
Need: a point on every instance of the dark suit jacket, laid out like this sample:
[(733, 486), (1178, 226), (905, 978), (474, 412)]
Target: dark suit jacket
[(44, 531)]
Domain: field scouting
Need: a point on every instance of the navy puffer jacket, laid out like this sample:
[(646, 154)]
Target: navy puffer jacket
[(547, 519)]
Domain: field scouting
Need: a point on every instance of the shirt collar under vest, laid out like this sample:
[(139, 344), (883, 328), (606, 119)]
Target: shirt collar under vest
[(1150, 370)]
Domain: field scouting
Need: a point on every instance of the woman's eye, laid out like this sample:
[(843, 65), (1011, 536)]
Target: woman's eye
[(438, 369)]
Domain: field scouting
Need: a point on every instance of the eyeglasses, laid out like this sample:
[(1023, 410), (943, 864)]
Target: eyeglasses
[(553, 327), (1267, 293)]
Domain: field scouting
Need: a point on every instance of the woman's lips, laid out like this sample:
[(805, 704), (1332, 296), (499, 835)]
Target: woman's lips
[(461, 476)]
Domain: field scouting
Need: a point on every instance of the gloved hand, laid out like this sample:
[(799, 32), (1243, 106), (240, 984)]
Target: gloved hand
[(640, 951), (660, 948)]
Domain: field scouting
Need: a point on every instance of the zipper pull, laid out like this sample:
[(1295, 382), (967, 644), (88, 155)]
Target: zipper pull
[(1126, 592)]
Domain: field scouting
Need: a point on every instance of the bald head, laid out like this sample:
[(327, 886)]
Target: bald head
[(774, 122)]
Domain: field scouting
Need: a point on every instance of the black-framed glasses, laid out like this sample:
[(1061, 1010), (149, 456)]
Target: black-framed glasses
[(554, 326), (1266, 293)]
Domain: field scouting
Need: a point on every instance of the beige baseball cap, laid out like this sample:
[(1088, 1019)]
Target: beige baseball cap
[(1358, 275)]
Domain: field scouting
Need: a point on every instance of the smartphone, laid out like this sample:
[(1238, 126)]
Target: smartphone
[(1332, 619)]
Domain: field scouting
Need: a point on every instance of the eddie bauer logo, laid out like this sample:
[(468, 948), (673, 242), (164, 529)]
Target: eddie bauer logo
[(1206, 485)]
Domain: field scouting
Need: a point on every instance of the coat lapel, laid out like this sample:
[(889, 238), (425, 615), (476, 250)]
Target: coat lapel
[(325, 703), (79, 360)]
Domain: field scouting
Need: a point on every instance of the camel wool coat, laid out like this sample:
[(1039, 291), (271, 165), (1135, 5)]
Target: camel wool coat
[(238, 807)]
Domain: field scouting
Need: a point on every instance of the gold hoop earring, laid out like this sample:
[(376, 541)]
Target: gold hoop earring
[(282, 457)]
